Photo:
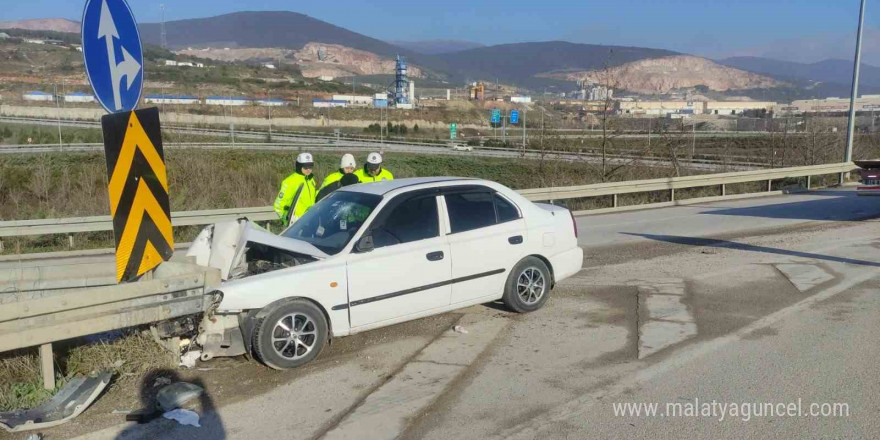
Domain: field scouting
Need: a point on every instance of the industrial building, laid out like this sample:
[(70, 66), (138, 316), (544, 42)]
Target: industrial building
[(79, 97), (183, 64), (271, 102), (661, 108), (171, 99), (736, 107), (665, 108), (327, 103), (865, 103), (38, 96), (227, 101), (520, 99), (355, 100)]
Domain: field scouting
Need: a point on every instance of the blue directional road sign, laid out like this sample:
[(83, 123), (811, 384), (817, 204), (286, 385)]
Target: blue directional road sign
[(514, 116), (113, 54), (496, 116)]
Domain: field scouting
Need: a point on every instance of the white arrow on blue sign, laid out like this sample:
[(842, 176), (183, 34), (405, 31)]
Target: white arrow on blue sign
[(113, 54)]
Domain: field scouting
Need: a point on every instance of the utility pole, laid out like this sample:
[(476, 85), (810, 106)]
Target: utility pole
[(504, 128), (269, 104), (163, 39), (524, 131), (58, 110), (694, 139), (855, 90)]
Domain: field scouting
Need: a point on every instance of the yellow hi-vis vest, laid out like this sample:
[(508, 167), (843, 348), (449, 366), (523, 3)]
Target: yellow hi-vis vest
[(296, 196)]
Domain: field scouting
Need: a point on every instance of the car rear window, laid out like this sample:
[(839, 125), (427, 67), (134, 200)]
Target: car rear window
[(505, 210), (468, 211)]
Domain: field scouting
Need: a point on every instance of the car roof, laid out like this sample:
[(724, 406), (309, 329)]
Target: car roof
[(386, 186)]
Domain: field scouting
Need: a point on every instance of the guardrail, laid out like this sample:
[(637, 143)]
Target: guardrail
[(671, 184)]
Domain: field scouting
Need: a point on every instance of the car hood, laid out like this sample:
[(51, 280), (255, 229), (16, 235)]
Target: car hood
[(223, 245)]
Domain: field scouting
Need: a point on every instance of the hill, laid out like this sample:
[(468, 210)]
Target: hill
[(435, 47), (662, 75), (47, 24), (828, 71), (520, 63), (267, 29)]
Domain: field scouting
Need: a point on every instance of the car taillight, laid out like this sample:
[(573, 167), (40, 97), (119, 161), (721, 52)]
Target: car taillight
[(574, 223)]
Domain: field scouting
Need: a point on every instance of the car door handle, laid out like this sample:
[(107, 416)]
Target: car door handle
[(435, 256), (516, 239)]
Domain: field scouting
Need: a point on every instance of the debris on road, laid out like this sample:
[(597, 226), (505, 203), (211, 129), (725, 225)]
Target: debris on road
[(68, 403), (176, 394), (184, 417), (189, 359), (459, 329), (121, 411)]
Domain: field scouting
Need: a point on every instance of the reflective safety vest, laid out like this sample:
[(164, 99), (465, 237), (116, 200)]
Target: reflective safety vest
[(365, 177), (296, 196), (333, 178)]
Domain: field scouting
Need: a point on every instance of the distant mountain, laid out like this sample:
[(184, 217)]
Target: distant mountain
[(278, 29), (663, 75), (434, 47), (47, 24), (519, 63), (828, 71)]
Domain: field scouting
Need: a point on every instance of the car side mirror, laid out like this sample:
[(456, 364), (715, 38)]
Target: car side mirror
[(365, 244)]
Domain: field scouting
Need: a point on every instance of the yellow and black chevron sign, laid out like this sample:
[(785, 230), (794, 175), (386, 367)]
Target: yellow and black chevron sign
[(138, 188)]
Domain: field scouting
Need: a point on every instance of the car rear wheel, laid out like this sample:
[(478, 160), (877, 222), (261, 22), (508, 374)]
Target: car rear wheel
[(290, 335), (528, 286)]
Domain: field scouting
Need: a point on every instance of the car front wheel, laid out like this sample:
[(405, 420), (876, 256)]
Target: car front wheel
[(528, 286), (290, 335)]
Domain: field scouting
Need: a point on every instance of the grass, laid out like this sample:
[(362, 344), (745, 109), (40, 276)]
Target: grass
[(60, 185), (129, 355)]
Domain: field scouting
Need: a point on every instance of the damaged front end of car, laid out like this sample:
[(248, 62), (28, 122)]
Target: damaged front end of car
[(239, 249)]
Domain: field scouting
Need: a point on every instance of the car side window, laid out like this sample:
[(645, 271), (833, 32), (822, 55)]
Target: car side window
[(505, 210), (412, 220), (470, 210)]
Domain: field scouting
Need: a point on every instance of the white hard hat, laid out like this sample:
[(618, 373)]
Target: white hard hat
[(374, 158), (347, 161), (305, 158)]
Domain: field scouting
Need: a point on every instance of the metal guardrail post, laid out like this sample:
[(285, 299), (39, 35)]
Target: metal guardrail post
[(808, 181), (672, 195), (769, 185), (723, 189), (47, 366), (615, 200)]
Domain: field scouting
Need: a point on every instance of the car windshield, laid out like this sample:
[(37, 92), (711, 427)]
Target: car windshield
[(332, 222)]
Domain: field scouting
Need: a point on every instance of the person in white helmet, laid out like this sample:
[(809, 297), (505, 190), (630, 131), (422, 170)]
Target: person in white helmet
[(297, 193), (373, 170), (346, 166), (342, 177)]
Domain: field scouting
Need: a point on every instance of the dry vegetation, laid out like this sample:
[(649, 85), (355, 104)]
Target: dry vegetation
[(129, 355)]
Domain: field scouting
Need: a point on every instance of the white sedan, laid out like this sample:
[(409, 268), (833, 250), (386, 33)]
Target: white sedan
[(377, 254)]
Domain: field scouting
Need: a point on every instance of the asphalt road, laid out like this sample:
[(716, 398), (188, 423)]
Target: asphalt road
[(759, 301)]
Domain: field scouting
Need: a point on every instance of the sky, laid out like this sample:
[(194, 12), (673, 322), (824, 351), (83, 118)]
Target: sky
[(797, 30)]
